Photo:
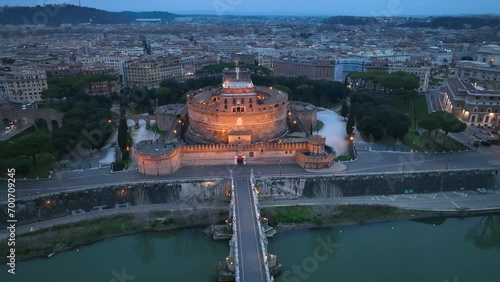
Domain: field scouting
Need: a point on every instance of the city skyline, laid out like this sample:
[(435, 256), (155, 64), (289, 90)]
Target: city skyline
[(290, 7)]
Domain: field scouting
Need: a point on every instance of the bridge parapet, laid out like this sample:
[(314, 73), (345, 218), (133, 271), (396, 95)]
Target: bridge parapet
[(235, 231), (262, 236)]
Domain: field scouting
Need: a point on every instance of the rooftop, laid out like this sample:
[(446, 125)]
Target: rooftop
[(463, 88), (171, 109), (156, 149)]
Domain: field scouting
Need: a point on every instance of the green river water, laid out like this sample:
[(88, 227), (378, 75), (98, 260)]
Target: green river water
[(438, 250)]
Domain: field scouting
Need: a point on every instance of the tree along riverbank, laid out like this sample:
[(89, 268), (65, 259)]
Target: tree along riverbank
[(60, 238)]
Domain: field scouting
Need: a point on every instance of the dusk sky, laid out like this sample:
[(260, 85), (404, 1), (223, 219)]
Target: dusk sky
[(289, 7)]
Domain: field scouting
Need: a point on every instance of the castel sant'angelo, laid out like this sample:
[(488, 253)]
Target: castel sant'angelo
[(236, 123)]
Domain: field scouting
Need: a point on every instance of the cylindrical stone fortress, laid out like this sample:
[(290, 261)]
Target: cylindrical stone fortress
[(237, 108)]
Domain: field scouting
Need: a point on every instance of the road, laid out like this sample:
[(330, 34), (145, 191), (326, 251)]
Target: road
[(484, 158), (439, 202), (251, 262), (446, 201), (102, 177), (368, 162)]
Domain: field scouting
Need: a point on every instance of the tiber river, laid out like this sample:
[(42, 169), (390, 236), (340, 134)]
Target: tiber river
[(453, 250)]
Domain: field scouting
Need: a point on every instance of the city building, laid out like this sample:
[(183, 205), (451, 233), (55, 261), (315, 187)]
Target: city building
[(150, 71), (424, 73), (61, 69), (313, 69), (344, 66), (105, 87), (474, 106), (486, 74), (489, 54), (23, 85), (237, 123)]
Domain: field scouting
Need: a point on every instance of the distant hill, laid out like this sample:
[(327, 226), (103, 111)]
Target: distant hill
[(351, 20), (54, 15), (469, 22)]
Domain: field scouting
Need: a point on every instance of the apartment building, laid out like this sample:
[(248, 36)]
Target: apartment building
[(105, 87), (23, 85), (61, 69), (314, 69), (149, 72), (424, 73), (486, 74)]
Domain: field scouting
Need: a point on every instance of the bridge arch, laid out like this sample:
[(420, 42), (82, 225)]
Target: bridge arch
[(138, 120), (41, 124), (30, 116), (54, 124)]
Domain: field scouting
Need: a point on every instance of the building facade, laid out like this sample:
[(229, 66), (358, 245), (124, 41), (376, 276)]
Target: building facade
[(424, 74), (237, 109), (149, 72), (23, 85), (315, 69), (106, 87), (472, 105), (489, 54), (484, 73), (344, 66)]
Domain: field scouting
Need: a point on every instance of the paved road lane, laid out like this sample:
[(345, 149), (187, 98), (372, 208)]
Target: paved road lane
[(251, 258)]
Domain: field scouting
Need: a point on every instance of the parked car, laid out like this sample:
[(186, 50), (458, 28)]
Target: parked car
[(481, 190)]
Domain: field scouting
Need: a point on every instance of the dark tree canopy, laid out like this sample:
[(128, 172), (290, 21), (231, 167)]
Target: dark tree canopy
[(375, 116), (344, 111), (33, 146), (391, 81)]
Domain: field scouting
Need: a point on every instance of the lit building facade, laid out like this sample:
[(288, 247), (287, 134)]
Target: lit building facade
[(473, 106)]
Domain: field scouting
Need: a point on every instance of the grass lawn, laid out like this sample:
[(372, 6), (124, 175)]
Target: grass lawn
[(63, 237), (420, 111), (343, 158), (155, 129), (424, 144), (24, 167), (319, 125), (293, 214)]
